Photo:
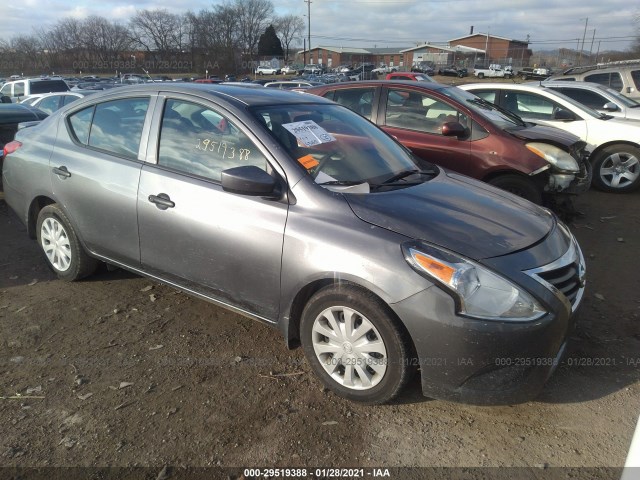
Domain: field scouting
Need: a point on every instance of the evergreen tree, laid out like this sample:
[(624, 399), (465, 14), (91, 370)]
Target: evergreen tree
[(269, 44)]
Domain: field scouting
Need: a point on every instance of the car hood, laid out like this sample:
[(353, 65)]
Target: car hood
[(553, 135), (459, 214)]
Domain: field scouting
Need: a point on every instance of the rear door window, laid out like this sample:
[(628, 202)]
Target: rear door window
[(360, 100), (49, 104), (115, 127), (635, 75), (586, 97), (613, 79)]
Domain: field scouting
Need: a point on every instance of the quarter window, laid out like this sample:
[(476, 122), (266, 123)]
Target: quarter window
[(200, 141)]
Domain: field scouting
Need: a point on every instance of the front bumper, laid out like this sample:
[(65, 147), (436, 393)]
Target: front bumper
[(572, 183), (488, 362)]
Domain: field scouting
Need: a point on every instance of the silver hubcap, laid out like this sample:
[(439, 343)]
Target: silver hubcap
[(349, 348), (620, 170), (55, 243)]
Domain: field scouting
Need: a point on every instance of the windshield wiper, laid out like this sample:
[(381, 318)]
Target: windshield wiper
[(492, 106), (393, 180), (399, 176), (345, 183)]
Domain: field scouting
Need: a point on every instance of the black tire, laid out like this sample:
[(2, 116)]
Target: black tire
[(624, 157), (397, 363), (520, 186), (481, 75), (524, 76), (73, 265)]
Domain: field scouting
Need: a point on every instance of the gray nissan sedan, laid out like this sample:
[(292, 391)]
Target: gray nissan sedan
[(298, 212)]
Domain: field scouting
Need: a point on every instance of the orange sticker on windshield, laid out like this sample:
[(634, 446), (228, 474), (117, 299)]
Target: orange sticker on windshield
[(308, 162)]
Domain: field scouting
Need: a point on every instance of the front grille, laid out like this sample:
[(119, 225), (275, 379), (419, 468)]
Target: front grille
[(565, 277)]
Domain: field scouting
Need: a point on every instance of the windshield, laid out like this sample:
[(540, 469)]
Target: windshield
[(626, 101), (496, 115), (341, 150)]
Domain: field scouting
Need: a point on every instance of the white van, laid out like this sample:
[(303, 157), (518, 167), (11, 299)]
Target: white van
[(19, 89)]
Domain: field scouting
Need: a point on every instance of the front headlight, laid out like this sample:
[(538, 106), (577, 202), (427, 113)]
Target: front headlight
[(479, 292), (555, 156)]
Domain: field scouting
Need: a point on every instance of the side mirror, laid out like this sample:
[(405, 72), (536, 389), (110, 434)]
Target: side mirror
[(564, 115), (611, 107), (248, 180), (453, 129)]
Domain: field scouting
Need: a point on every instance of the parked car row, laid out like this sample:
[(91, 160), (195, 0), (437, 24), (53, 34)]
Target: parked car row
[(296, 211), (614, 143), (445, 125)]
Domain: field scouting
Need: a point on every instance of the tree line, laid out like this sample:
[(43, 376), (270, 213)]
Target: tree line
[(222, 39)]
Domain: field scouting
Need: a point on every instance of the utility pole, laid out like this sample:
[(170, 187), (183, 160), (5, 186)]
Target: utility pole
[(586, 20), (591, 47), (486, 48), (308, 2)]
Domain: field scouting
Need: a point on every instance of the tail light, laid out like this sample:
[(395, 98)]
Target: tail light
[(11, 147)]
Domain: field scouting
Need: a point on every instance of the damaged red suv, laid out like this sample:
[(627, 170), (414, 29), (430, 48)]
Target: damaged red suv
[(452, 128)]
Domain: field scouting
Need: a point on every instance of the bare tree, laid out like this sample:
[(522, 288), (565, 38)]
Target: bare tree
[(217, 37), (288, 27), (157, 31), (254, 16)]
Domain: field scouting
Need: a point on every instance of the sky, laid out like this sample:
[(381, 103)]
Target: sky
[(549, 24)]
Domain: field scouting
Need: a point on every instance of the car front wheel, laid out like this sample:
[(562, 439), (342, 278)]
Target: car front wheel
[(617, 169), (520, 186), (62, 249), (354, 344)]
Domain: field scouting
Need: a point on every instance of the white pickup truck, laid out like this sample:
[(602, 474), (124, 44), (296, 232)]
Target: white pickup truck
[(494, 71)]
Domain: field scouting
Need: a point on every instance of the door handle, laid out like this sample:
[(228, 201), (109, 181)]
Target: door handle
[(62, 172), (162, 201)]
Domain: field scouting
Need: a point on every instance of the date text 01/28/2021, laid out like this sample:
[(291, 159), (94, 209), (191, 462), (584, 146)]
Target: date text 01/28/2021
[(316, 472)]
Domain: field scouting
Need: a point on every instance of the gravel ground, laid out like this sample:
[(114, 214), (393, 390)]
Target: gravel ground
[(118, 371)]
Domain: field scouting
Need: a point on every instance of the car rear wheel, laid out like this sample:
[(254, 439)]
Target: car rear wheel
[(617, 169), (62, 249), (520, 186), (481, 75), (355, 346)]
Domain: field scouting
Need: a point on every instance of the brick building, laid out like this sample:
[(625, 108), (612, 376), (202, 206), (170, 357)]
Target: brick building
[(459, 55), (332, 57), (504, 51), (467, 51)]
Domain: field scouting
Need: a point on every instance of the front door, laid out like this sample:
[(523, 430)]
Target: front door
[(223, 245)]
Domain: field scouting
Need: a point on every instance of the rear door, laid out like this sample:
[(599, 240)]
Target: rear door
[(95, 170), (192, 232)]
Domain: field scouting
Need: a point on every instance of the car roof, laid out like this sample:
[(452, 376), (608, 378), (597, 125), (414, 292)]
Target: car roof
[(583, 85), (407, 83), (235, 94), (17, 112)]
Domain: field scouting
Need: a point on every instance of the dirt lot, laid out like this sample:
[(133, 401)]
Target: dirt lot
[(119, 371)]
